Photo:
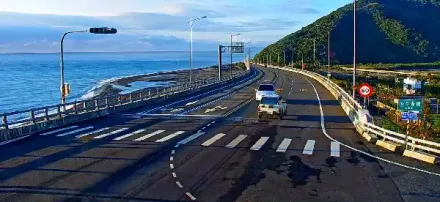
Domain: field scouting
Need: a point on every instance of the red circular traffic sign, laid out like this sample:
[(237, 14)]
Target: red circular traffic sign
[(365, 90)]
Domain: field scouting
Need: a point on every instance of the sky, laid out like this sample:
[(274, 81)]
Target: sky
[(152, 25)]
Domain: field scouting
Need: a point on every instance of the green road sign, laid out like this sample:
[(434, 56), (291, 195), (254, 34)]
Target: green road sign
[(410, 105)]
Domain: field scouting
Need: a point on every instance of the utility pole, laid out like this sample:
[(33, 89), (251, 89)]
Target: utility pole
[(278, 59), (314, 51), (328, 54), (284, 58)]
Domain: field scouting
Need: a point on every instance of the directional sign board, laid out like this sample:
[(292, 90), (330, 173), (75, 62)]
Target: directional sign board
[(409, 116), (365, 90), (413, 105)]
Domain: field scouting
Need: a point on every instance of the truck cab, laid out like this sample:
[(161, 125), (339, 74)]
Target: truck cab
[(273, 106)]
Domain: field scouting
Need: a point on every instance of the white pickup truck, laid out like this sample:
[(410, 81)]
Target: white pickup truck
[(266, 90), (273, 106)]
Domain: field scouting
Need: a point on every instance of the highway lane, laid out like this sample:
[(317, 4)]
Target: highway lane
[(63, 163), (293, 162)]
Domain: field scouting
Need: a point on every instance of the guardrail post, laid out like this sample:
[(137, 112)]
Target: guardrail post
[(106, 102), (131, 98), (96, 104), (46, 113), (149, 92), (85, 106), (59, 111), (5, 121), (75, 107), (33, 116)]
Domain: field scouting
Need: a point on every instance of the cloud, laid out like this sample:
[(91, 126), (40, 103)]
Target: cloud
[(309, 11)]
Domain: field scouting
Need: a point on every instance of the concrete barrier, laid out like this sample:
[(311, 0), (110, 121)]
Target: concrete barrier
[(422, 156), (392, 146)]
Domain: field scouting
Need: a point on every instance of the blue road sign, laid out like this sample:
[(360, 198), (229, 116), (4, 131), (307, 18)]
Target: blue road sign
[(409, 116)]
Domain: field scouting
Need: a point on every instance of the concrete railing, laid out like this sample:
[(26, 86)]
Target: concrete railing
[(420, 149), (26, 122)]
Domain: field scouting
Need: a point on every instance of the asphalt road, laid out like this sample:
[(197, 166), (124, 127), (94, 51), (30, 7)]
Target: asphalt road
[(137, 156)]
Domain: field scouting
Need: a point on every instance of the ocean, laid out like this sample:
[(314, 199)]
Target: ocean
[(33, 80)]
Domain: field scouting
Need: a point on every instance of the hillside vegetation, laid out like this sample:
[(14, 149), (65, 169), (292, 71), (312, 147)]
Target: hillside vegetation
[(388, 31)]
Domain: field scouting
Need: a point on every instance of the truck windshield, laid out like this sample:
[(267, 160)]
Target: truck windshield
[(266, 88), (269, 101)]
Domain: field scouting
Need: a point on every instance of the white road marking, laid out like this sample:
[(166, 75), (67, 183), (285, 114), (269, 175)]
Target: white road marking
[(111, 133), (236, 141), (213, 122), (190, 196), (308, 149), (58, 130), (170, 136), (191, 103), (179, 184), (171, 158), (173, 152), (334, 149), (13, 140), (92, 132), (284, 145), (208, 125), (324, 130), (130, 134), (191, 138), (75, 131), (259, 143), (171, 166), (174, 174), (215, 109), (213, 139), (149, 135), (177, 110)]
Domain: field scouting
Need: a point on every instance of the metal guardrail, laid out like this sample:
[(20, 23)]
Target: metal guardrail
[(349, 104), (41, 114)]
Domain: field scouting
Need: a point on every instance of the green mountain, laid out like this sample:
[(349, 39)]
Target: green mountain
[(388, 31)]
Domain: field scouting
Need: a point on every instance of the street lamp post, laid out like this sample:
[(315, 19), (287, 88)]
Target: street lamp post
[(63, 87), (232, 36), (354, 49), (191, 23)]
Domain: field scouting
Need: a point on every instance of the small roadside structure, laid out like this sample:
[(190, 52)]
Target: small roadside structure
[(411, 86)]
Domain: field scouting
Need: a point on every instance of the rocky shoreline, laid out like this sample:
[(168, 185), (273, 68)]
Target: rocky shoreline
[(157, 79)]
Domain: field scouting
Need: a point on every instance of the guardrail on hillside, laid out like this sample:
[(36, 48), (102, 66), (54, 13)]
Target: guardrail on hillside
[(35, 115), (424, 150)]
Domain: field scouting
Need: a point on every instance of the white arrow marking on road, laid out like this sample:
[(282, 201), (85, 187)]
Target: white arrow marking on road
[(215, 109), (191, 103)]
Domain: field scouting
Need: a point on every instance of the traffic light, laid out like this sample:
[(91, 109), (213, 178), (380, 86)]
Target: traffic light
[(103, 30)]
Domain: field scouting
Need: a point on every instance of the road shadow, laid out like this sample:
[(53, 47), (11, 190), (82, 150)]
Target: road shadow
[(316, 118), (313, 102)]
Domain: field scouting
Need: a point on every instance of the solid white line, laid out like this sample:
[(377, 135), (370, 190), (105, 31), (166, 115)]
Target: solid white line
[(13, 140), (236, 141), (171, 166), (259, 143), (213, 139), (149, 135), (92, 132), (174, 174), (334, 148), (308, 149), (58, 130), (170, 136), (75, 131), (171, 158), (190, 196), (191, 138), (354, 149), (179, 184), (130, 134), (111, 133), (284, 145)]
